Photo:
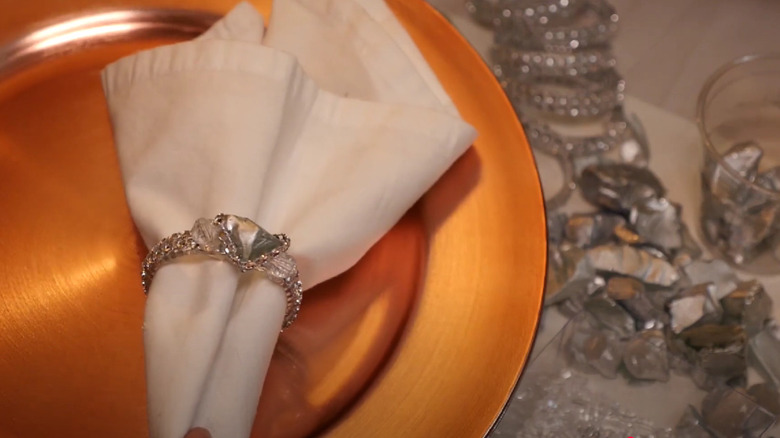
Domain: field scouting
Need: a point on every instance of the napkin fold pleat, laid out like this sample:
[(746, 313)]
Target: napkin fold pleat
[(372, 64), (230, 123), (384, 17)]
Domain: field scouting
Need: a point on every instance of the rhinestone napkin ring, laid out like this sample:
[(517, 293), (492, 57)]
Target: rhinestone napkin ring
[(239, 241)]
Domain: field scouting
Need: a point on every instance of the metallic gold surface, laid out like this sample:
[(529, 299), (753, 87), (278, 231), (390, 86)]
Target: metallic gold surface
[(425, 337)]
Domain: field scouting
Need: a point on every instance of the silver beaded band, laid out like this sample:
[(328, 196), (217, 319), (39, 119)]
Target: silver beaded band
[(576, 97), (529, 64), (617, 129), (239, 241), (544, 12), (596, 25)]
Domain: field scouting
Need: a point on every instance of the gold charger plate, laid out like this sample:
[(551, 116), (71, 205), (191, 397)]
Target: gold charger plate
[(426, 336)]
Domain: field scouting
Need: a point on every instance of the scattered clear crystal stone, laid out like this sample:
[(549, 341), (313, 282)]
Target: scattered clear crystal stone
[(280, 267), (630, 294), (764, 348), (618, 187), (660, 298), (570, 274), (624, 288), (592, 350), (723, 365), (770, 179), (746, 232), (691, 425), (587, 230), (748, 305), (633, 262), (626, 235), (714, 336), (704, 380), (580, 290), (610, 315), (250, 239), (731, 412), (658, 222), (744, 158), (206, 234), (682, 357), (645, 356), (766, 396), (714, 271), (695, 305), (687, 311)]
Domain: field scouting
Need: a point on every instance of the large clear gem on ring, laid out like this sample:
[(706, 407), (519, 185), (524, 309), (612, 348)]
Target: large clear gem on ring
[(250, 239), (280, 267)]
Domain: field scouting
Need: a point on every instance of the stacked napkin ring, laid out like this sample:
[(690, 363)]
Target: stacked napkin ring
[(576, 97), (617, 129), (533, 27), (531, 64), (239, 241)]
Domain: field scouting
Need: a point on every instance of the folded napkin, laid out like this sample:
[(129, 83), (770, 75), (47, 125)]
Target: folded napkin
[(328, 128)]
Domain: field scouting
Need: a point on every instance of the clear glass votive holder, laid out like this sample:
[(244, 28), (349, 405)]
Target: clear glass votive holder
[(738, 115)]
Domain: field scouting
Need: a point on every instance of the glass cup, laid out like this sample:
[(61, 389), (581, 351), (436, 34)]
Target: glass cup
[(738, 115)]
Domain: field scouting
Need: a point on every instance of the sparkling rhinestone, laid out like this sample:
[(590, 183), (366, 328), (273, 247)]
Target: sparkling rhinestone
[(280, 267), (250, 240), (206, 234)]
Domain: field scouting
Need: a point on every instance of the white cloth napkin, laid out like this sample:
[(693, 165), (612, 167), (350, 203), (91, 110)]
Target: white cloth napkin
[(327, 129)]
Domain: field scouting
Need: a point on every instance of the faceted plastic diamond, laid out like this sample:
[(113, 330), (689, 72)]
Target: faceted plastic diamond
[(250, 239), (645, 356), (206, 234), (280, 267)]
